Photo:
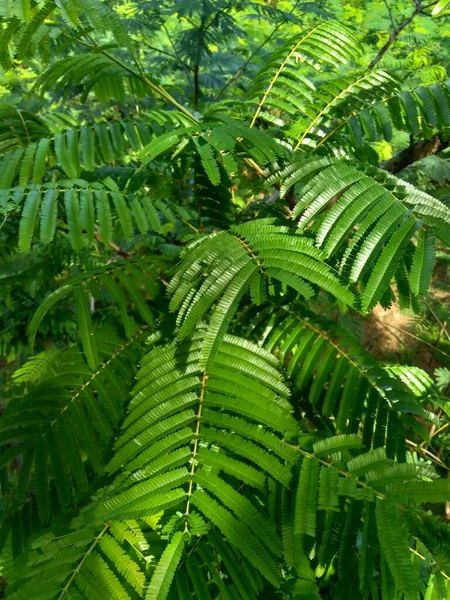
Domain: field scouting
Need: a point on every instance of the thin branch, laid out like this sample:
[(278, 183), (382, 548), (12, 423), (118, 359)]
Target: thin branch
[(217, 16), (139, 74), (395, 34), (78, 569), (443, 573), (114, 246), (169, 38), (238, 73), (390, 14), (19, 112), (172, 56), (441, 324), (254, 53), (440, 430), (415, 337), (427, 454)]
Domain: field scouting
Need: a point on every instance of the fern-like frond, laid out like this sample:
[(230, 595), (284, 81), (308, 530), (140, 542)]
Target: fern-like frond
[(394, 547), (192, 436), (370, 108), (342, 113), (87, 211), (365, 222), (233, 259), (284, 87), (71, 150), (65, 422), (32, 26), (337, 376), (93, 72), (126, 283), (218, 144), (349, 514), (107, 563)]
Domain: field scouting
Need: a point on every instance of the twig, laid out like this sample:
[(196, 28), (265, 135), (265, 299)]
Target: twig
[(140, 75), (172, 56), (406, 332), (395, 34), (390, 14), (434, 459), (114, 246), (443, 573), (432, 431), (254, 53), (442, 325), (442, 428)]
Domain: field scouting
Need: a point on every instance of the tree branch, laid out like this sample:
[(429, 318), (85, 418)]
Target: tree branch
[(390, 14), (413, 153), (254, 53), (395, 34), (114, 246)]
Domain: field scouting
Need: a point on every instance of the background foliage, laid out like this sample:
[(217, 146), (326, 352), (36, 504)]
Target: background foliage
[(224, 232)]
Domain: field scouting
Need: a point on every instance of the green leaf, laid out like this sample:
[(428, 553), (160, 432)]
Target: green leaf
[(440, 7), (387, 264), (48, 215), (85, 326), (395, 547), (306, 498), (338, 443), (43, 309), (423, 262), (28, 219), (208, 161), (72, 206), (422, 491), (162, 577)]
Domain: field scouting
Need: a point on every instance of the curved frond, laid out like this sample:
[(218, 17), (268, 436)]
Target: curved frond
[(66, 420), (232, 260), (130, 284), (327, 44), (191, 436), (365, 221)]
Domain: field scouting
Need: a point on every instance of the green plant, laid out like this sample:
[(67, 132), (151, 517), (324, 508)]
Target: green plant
[(263, 452)]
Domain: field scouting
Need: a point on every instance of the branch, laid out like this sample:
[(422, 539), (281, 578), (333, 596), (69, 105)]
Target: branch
[(390, 13), (254, 53), (158, 89), (114, 246), (413, 153), (172, 56), (395, 34)]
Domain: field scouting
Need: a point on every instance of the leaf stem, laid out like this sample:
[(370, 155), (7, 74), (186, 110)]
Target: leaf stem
[(195, 449), (77, 570), (140, 75)]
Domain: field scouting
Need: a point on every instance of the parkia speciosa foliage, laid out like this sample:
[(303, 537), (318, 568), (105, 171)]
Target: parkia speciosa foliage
[(199, 430)]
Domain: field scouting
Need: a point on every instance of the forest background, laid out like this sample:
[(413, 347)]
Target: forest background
[(130, 133)]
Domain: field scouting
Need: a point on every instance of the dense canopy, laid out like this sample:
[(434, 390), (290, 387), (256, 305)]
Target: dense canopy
[(225, 235)]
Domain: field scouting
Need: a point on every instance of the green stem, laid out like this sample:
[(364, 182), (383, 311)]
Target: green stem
[(78, 569), (140, 75)]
